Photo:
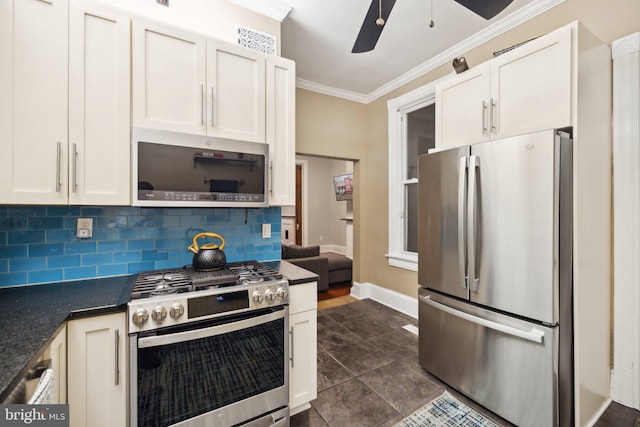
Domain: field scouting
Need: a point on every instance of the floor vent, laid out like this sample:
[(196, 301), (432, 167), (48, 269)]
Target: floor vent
[(256, 40)]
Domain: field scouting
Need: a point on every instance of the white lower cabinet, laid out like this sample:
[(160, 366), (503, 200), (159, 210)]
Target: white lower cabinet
[(303, 348), (57, 353), (97, 371)]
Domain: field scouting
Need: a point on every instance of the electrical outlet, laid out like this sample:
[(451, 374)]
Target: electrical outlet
[(84, 229), (266, 231)]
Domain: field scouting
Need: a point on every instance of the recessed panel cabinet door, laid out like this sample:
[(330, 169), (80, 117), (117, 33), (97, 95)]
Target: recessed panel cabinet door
[(235, 92), (97, 370), (462, 108), (532, 87), (33, 101), (99, 105), (168, 78), (281, 130)]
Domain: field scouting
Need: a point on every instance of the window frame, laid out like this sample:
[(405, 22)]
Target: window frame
[(397, 110)]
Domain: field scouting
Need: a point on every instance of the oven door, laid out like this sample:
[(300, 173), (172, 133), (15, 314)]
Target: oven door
[(219, 372)]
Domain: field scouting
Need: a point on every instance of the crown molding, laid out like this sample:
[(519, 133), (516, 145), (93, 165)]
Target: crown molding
[(520, 16), (273, 9), (332, 91)]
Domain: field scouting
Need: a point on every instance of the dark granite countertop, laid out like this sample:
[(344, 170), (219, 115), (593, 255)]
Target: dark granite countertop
[(296, 275), (31, 315)]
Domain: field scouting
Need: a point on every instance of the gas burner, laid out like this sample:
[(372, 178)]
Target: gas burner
[(152, 283)]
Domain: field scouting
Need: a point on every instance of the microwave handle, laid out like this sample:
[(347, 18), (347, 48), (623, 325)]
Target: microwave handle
[(155, 341)]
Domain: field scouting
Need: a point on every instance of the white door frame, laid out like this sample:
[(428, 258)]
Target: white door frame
[(626, 219), (305, 199)]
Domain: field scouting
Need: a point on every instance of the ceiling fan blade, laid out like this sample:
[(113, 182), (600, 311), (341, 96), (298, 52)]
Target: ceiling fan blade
[(485, 8), (370, 31)]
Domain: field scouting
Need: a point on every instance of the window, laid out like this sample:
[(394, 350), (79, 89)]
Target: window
[(411, 134)]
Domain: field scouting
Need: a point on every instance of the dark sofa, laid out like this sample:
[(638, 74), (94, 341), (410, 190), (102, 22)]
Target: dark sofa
[(330, 267)]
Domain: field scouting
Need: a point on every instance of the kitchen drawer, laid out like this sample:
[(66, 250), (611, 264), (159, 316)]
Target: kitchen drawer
[(303, 297), (505, 369)]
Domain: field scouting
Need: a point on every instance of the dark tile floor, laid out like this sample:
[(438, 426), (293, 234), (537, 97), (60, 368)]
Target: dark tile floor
[(368, 372)]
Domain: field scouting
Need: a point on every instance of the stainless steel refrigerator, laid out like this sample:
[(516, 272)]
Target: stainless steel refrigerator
[(495, 270)]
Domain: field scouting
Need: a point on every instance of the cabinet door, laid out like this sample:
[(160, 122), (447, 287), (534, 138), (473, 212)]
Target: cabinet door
[(168, 78), (99, 105), (303, 380), (281, 137), (532, 85), (235, 92), (97, 371), (57, 353), (33, 101), (462, 108)]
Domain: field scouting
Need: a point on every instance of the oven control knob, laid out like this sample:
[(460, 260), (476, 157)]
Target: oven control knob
[(159, 313), (270, 296), (140, 317), (176, 310), (283, 294), (257, 297)]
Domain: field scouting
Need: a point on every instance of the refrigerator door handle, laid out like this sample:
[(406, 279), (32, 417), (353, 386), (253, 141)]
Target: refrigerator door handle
[(534, 335), (474, 164), (462, 208)]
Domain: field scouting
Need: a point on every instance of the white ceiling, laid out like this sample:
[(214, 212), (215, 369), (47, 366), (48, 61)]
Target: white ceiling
[(319, 35)]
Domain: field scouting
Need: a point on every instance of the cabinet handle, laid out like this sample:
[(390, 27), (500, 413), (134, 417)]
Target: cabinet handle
[(484, 117), (74, 183), (271, 178), (117, 334), (201, 105), (212, 113), (58, 154), (291, 345), (492, 115)]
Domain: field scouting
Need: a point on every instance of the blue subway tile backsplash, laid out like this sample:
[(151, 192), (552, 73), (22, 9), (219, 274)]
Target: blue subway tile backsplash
[(38, 244)]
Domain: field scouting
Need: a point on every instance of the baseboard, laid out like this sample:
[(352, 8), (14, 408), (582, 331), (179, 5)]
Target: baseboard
[(598, 414), (393, 299), (342, 250)]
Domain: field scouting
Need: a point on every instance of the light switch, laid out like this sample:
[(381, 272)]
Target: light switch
[(266, 231)]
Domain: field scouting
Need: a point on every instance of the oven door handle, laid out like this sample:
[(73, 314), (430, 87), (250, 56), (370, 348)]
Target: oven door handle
[(155, 341)]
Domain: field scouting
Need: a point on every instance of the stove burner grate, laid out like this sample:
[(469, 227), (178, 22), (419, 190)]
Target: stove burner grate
[(160, 282)]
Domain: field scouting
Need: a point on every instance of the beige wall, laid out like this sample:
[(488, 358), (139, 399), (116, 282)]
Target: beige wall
[(334, 127), (324, 226)]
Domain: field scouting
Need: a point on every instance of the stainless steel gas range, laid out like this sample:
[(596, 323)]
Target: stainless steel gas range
[(209, 348)]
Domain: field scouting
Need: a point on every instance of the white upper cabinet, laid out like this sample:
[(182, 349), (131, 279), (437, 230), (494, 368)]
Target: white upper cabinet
[(99, 105), (33, 101), (64, 103), (235, 92), (186, 83), (169, 78), (281, 130), (462, 107), (524, 90)]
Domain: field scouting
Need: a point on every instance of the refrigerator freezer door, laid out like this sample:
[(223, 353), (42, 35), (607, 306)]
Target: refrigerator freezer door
[(505, 364), (442, 221), (513, 248)]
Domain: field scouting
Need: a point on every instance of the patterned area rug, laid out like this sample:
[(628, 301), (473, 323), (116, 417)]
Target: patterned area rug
[(445, 411)]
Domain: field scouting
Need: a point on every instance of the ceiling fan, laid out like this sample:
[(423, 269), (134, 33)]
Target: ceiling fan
[(379, 12)]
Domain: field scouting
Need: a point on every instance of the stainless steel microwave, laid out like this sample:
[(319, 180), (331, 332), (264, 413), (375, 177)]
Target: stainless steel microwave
[(178, 169)]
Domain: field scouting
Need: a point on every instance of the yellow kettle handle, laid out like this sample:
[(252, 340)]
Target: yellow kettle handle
[(195, 248)]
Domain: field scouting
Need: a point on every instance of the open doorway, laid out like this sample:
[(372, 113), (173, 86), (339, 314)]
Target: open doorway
[(323, 218)]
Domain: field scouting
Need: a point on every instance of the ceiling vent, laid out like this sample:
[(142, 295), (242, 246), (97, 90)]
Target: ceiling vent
[(256, 40)]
